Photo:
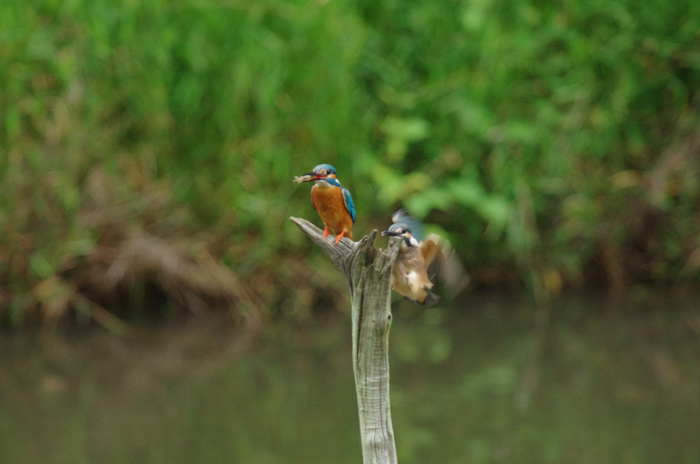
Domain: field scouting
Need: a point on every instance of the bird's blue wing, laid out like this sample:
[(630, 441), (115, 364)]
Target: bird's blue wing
[(414, 224), (349, 205)]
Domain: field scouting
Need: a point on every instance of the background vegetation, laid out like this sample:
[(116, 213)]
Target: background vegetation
[(148, 147)]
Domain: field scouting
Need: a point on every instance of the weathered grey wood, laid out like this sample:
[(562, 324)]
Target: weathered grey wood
[(367, 271)]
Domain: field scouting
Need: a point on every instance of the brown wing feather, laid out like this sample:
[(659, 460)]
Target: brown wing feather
[(431, 248), (440, 258)]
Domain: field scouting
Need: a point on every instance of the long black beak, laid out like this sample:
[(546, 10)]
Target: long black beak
[(388, 233)]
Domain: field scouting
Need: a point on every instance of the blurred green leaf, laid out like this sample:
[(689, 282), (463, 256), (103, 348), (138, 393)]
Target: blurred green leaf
[(408, 129), (40, 265), (402, 131), (434, 198), (395, 188)]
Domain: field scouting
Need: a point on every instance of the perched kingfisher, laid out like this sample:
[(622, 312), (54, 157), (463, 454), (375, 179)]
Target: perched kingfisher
[(331, 201), (409, 277)]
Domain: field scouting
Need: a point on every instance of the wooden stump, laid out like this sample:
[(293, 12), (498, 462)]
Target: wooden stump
[(368, 272)]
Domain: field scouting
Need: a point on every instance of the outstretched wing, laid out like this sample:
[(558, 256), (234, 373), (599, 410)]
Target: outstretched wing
[(349, 205), (431, 249), (442, 260)]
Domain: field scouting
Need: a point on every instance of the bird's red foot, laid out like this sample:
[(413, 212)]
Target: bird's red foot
[(339, 236), (325, 232)]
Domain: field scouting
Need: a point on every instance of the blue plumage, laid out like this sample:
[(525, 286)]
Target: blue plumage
[(413, 224), (349, 205)]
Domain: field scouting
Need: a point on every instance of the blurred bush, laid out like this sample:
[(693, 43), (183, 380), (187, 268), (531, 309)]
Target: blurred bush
[(149, 146)]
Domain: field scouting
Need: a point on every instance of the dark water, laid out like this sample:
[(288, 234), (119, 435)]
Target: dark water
[(494, 380)]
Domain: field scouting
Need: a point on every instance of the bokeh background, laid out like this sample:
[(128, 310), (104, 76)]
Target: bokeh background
[(147, 151), (554, 143)]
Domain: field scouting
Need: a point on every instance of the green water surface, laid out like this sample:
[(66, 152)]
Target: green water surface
[(490, 379)]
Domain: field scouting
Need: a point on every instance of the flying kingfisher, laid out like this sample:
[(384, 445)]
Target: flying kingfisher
[(331, 201), (409, 277)]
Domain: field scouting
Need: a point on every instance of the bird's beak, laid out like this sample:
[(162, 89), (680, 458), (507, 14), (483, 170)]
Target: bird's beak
[(388, 233), (311, 176)]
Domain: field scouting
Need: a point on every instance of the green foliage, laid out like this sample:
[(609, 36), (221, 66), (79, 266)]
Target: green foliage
[(556, 142), (534, 113)]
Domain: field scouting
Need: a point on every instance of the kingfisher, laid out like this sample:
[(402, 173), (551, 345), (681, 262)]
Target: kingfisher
[(332, 201), (409, 277)]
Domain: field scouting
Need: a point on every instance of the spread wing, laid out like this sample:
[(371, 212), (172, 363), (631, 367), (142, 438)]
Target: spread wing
[(431, 248), (442, 260), (349, 205)]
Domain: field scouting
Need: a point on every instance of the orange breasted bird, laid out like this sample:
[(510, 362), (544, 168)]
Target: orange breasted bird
[(332, 201), (417, 257)]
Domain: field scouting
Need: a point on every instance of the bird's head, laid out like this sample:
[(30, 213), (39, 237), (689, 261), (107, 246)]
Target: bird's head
[(401, 231), (323, 173), (410, 223)]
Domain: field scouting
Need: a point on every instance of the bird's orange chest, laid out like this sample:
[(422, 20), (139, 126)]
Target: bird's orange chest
[(330, 205), (328, 201)]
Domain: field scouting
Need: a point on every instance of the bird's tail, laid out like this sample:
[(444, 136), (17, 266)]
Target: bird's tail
[(430, 299)]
